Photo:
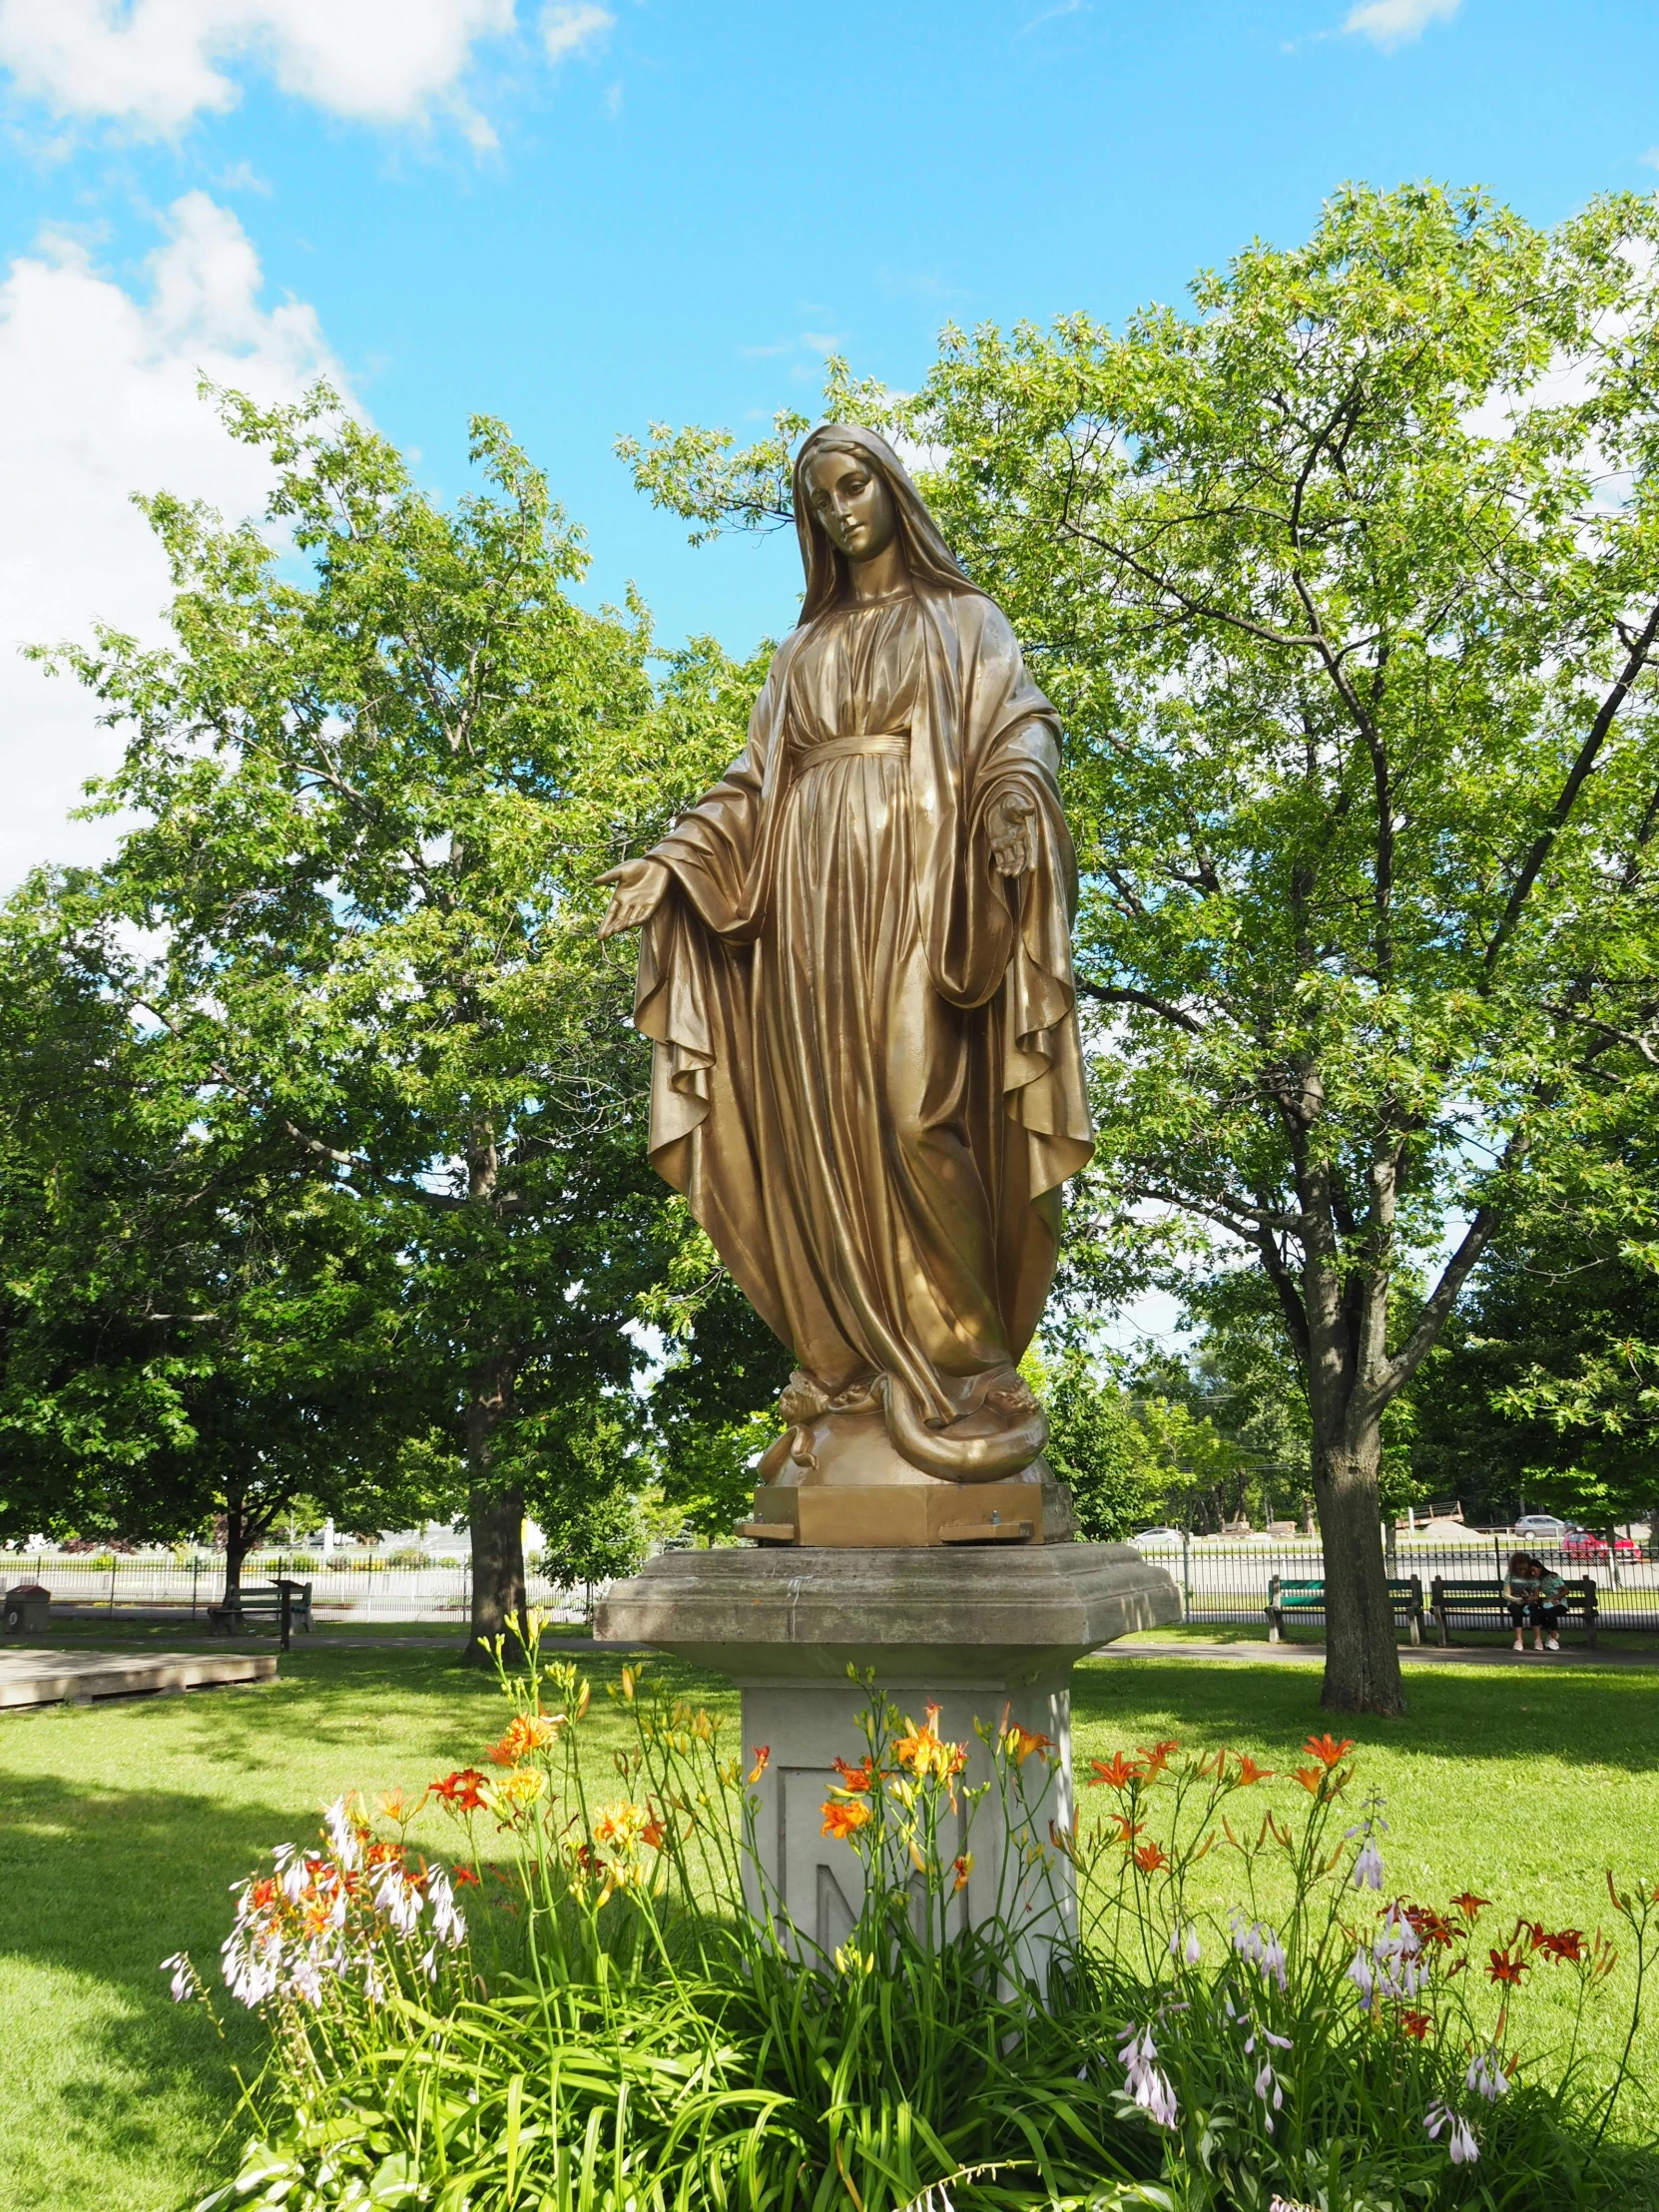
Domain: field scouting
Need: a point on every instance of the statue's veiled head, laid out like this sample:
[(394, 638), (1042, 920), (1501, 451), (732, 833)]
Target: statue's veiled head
[(852, 495)]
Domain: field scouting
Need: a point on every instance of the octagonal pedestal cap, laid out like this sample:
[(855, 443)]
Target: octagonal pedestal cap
[(803, 1615)]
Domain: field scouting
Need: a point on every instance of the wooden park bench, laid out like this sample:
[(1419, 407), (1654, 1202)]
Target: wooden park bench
[(1304, 1598), (1484, 1605), (286, 1604)]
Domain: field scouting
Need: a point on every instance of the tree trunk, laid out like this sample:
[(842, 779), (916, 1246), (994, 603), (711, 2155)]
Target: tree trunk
[(1362, 1658), (496, 1515), (240, 1535), (497, 1519)]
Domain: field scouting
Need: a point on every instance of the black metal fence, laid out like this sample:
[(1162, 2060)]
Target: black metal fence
[(1224, 1579)]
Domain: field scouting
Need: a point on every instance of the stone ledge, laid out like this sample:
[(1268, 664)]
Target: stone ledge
[(804, 1614)]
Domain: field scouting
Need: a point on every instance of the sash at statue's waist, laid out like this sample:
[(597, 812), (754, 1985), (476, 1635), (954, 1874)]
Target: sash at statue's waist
[(865, 743)]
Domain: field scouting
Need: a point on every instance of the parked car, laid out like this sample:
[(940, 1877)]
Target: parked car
[(1550, 1526), (1583, 1543), (1158, 1537)]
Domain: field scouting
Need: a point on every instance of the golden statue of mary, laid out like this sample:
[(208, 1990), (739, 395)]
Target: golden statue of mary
[(855, 974)]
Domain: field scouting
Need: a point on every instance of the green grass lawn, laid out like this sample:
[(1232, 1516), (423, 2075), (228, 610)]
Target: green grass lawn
[(122, 1826)]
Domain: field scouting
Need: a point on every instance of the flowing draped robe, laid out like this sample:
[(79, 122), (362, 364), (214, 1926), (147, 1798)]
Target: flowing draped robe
[(867, 1078)]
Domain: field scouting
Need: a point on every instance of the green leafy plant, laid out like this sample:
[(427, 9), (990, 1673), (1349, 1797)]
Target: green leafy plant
[(601, 2002)]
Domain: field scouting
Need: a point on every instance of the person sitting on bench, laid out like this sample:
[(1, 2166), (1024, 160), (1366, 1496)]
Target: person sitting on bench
[(1534, 1596)]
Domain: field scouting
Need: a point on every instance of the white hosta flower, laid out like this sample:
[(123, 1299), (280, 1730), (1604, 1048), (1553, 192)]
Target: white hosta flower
[(1271, 2093), (1258, 1942), (1183, 1941), (182, 1984), (1486, 2076), (1364, 1977), (304, 1977), (1398, 1938), (251, 1965), (1461, 2147), (398, 1898), (448, 1923), (1367, 1866), (1147, 2083), (343, 1836), (1396, 1956)]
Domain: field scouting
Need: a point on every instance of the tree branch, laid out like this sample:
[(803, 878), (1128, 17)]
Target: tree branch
[(1120, 994), (1588, 752)]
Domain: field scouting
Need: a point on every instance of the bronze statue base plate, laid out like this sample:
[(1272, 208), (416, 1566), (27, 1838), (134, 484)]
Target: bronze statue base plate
[(871, 1516)]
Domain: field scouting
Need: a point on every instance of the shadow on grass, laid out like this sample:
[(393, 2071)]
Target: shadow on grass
[(1601, 1719), (100, 1878), (101, 1884)]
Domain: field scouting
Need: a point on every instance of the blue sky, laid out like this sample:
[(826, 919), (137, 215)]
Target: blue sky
[(585, 215)]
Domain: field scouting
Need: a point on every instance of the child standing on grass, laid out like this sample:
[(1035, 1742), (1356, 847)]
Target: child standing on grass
[(1534, 1596)]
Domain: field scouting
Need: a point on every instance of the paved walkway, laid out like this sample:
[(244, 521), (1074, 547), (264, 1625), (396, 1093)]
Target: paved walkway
[(1412, 1655)]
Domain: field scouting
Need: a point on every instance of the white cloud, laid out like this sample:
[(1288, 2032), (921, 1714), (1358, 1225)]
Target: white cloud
[(577, 29), (101, 403), (1048, 15), (154, 63), (1392, 23)]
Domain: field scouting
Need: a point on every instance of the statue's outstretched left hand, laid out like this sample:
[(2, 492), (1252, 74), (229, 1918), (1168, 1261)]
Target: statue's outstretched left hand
[(1008, 822)]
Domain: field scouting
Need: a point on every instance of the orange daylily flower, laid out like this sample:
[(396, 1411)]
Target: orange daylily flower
[(1115, 1773), (1504, 1969), (623, 1824), (843, 1820), (526, 1732), (859, 1777), (763, 1759), (652, 1832), (925, 1752), (1019, 1743), (1567, 1943), (1430, 1926), (1150, 1858), (1127, 1830), (464, 1878), (1158, 1758), (1469, 1905), (1312, 1779), (1328, 1750), (460, 1790), (1249, 1771), (963, 1867), (1416, 2025)]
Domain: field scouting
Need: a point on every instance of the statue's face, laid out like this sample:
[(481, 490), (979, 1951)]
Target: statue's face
[(853, 504)]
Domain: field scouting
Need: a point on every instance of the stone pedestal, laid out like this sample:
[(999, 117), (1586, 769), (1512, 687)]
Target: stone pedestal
[(990, 1636)]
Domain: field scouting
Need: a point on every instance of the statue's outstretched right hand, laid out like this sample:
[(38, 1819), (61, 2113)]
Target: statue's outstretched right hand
[(639, 886)]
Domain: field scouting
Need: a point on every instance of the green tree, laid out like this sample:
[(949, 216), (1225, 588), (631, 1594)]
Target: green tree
[(1547, 1390), (374, 776), (1097, 1447), (1346, 586), (194, 1329)]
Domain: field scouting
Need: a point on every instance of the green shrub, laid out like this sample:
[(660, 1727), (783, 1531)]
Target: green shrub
[(616, 2032)]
